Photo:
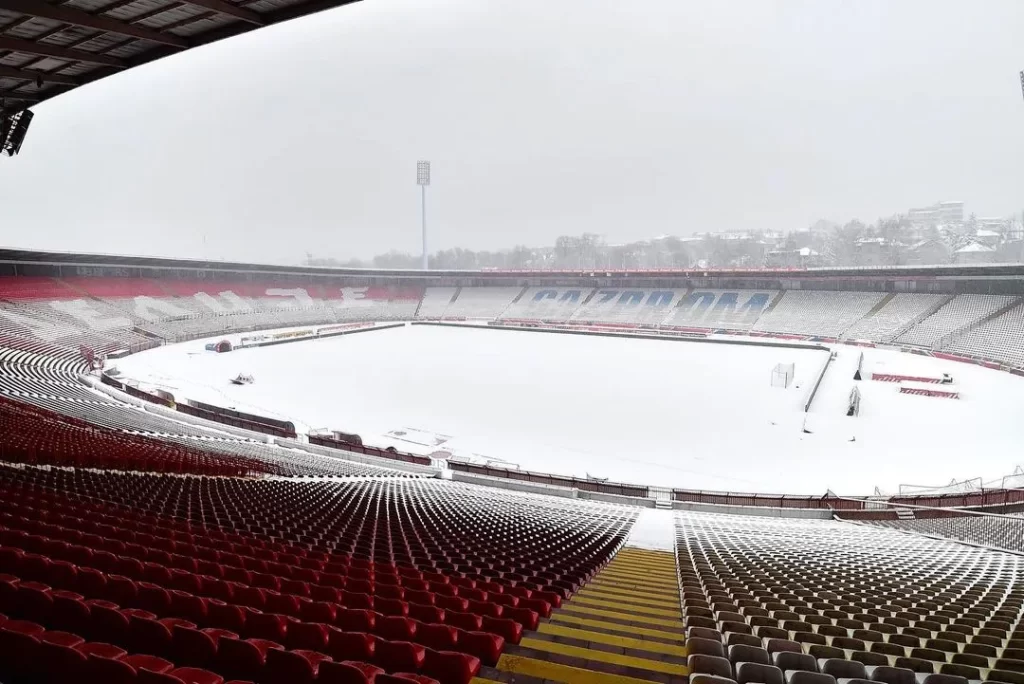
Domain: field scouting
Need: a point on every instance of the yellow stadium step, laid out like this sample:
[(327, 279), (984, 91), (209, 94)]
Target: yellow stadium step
[(636, 561), (660, 573), (606, 626), (636, 587), (637, 584), (623, 627), (671, 594), (622, 616), (631, 597), (664, 575), (584, 636), (651, 577), (634, 571), (664, 584), (660, 612), (595, 659), (519, 668), (656, 560)]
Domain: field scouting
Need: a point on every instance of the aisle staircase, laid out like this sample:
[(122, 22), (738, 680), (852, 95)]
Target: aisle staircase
[(623, 627)]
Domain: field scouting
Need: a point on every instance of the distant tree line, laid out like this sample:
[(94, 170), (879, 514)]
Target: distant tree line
[(889, 241)]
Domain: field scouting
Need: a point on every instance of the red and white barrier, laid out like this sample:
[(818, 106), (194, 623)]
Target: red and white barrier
[(892, 377), (923, 392)]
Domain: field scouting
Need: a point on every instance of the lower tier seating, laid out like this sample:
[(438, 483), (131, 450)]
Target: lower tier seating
[(814, 602), (279, 580), (33, 435)]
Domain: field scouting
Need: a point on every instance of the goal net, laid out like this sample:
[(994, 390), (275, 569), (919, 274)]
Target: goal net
[(782, 374)]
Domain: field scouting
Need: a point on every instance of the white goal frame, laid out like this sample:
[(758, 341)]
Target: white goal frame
[(782, 374)]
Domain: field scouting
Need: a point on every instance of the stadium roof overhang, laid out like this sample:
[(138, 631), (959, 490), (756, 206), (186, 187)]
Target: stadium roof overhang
[(48, 48), (34, 262)]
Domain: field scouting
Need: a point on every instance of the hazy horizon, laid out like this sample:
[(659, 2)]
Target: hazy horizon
[(627, 120)]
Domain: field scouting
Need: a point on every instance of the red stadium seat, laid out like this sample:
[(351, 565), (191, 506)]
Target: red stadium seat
[(19, 645), (347, 673), (292, 667), (357, 646), (451, 667), (400, 655), (59, 659), (308, 635), (240, 659), (193, 647)]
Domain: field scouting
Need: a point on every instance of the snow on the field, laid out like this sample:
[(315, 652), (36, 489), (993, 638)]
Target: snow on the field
[(683, 414)]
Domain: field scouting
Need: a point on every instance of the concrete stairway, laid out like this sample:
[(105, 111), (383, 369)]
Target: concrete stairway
[(623, 627)]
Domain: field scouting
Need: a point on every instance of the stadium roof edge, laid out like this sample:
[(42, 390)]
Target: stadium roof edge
[(87, 259), (50, 48)]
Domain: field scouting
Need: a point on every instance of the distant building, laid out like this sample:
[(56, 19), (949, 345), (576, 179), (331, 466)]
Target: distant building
[(991, 230), (951, 212), (927, 253), (1010, 251), (989, 238), (975, 253), (924, 216), (940, 213), (804, 257), (876, 251)]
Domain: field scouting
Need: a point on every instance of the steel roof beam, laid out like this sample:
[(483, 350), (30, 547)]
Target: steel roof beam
[(76, 17), (8, 95), (57, 52), (35, 76), (229, 9)]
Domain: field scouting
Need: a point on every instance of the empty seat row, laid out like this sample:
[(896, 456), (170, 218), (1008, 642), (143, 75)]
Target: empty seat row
[(845, 601), (34, 654)]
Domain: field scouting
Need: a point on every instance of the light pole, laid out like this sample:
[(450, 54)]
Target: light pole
[(423, 180)]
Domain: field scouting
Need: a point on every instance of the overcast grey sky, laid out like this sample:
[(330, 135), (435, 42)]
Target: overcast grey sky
[(628, 118)]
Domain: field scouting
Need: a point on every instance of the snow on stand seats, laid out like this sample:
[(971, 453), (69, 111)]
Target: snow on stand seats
[(49, 319)]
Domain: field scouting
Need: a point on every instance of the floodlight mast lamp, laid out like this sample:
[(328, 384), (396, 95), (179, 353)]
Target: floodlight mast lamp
[(423, 180)]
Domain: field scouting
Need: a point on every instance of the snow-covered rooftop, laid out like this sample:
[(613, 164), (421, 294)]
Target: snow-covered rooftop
[(974, 247)]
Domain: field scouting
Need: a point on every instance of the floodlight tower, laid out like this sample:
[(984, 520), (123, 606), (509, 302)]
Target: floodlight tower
[(423, 180)]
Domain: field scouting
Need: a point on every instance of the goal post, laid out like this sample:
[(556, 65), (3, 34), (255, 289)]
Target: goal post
[(853, 402), (782, 374)]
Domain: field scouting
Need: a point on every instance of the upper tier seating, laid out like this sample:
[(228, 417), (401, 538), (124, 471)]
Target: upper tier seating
[(430, 578), (71, 323), (773, 600), (815, 312), (435, 302), (999, 531), (608, 305), (49, 321), (725, 309), (106, 314), (958, 313), (547, 303), (33, 287), (897, 314), (1001, 339), (481, 302)]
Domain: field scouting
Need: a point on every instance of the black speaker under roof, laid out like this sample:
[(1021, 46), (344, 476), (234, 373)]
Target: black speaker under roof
[(13, 127)]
